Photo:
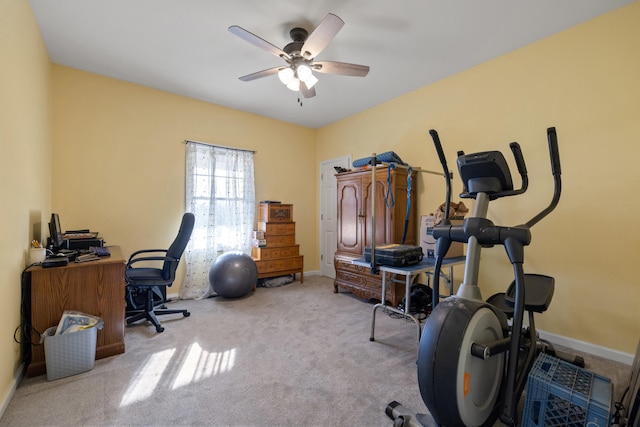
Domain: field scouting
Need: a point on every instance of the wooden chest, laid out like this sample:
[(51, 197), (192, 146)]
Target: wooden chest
[(280, 255)]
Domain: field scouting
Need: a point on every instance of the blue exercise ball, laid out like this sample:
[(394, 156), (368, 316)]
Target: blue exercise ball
[(233, 275)]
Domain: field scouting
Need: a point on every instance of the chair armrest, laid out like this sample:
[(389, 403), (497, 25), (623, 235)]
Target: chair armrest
[(151, 258), (135, 256), (143, 251)]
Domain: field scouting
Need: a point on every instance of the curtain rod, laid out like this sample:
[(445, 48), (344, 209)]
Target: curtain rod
[(218, 146)]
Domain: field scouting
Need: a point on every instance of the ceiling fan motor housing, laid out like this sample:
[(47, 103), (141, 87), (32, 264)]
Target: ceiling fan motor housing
[(299, 36)]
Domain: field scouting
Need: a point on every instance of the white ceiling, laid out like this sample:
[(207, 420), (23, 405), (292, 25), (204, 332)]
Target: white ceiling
[(183, 46)]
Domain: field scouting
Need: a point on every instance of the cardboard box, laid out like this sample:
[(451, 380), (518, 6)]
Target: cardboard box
[(428, 243)]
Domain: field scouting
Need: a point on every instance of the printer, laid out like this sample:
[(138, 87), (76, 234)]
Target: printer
[(77, 240)]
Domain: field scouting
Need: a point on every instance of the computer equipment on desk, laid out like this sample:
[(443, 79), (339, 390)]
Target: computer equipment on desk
[(79, 234), (55, 261), (84, 243), (71, 254), (55, 232), (101, 251), (64, 256), (82, 239), (71, 239), (88, 256)]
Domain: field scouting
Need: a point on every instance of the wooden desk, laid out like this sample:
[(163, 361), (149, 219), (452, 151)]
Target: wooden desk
[(94, 287)]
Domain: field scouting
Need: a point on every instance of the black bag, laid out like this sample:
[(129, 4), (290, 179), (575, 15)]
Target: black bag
[(395, 255), (421, 296)]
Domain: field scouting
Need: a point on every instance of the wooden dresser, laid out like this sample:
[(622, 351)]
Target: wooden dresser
[(280, 255), (354, 227)]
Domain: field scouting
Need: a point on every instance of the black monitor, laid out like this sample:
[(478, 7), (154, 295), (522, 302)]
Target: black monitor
[(55, 232)]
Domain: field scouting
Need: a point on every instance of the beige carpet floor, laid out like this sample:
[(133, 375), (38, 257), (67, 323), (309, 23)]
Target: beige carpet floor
[(296, 355)]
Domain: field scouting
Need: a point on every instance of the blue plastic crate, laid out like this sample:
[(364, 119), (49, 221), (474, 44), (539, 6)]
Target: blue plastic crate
[(561, 394)]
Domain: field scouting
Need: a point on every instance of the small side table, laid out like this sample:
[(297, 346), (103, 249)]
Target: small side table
[(409, 272)]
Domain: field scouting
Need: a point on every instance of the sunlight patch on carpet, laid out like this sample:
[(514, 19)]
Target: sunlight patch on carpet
[(146, 380), (200, 364)]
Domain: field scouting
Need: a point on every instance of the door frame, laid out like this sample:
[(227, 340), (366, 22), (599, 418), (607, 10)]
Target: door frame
[(329, 202)]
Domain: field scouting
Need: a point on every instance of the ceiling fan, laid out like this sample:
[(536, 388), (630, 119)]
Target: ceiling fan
[(300, 54)]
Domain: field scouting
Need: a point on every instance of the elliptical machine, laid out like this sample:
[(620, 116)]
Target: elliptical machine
[(473, 365)]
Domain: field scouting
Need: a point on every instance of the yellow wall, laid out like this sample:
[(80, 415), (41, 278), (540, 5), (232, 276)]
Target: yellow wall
[(584, 81), (112, 151), (119, 168), (25, 164)]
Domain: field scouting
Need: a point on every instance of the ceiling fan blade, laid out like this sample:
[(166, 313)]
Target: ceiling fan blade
[(341, 68), (307, 92), (258, 41), (260, 74), (321, 36)]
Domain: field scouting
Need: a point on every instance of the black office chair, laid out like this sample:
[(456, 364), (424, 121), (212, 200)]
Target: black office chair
[(146, 286)]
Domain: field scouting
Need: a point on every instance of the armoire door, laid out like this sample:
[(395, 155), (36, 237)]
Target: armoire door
[(350, 216), (382, 214)]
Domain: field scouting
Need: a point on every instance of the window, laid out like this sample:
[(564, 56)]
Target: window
[(220, 192)]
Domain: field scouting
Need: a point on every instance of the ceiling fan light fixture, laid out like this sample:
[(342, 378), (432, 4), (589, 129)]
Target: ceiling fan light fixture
[(304, 72), (285, 75), (294, 84), (311, 81)]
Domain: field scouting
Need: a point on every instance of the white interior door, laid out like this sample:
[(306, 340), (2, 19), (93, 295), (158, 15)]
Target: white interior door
[(328, 213)]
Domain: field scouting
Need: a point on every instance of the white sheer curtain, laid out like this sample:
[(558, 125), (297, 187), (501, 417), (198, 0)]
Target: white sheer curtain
[(220, 192)]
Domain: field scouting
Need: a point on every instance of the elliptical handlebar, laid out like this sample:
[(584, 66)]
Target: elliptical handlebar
[(445, 169), (522, 167), (442, 244), (554, 155), (484, 230), (553, 151)]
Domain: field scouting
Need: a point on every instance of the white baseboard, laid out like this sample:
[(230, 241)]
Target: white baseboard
[(17, 377), (312, 273), (596, 350)]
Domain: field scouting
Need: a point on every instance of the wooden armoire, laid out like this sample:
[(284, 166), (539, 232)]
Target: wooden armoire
[(354, 226)]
